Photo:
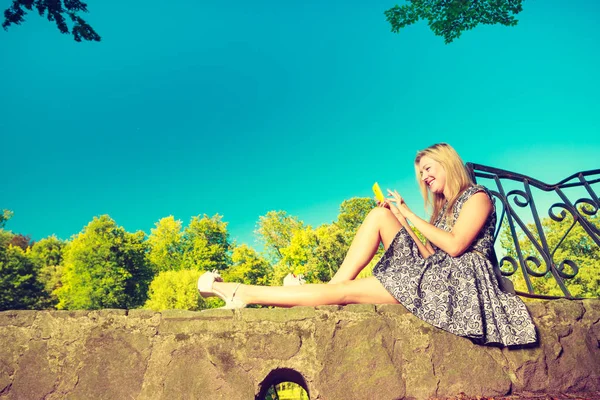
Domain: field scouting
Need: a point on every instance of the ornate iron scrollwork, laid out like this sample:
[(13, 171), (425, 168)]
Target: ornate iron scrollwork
[(544, 263)]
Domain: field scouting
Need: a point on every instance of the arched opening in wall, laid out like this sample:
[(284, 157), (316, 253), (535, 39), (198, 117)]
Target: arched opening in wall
[(283, 384)]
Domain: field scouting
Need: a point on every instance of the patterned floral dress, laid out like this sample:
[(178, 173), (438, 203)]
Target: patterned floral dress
[(457, 294)]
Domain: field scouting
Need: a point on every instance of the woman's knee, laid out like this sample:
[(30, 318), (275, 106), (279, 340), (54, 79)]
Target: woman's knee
[(387, 224), (366, 290), (354, 291), (381, 214)]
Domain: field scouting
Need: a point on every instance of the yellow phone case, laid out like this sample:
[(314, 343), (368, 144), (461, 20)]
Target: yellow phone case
[(378, 193)]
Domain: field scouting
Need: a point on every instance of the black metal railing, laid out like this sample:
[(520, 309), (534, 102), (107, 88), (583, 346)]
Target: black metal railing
[(506, 186)]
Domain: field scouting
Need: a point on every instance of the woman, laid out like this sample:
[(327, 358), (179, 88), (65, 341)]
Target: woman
[(448, 282)]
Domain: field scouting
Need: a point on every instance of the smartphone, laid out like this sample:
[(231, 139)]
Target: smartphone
[(378, 193)]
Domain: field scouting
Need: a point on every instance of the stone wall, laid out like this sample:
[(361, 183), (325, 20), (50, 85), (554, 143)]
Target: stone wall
[(352, 352)]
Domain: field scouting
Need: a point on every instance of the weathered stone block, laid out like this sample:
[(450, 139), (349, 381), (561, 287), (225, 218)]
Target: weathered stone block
[(278, 346), (328, 308), (17, 318), (459, 364), (113, 366), (195, 325), (277, 314), (360, 308), (142, 314), (359, 346), (218, 313), (34, 378)]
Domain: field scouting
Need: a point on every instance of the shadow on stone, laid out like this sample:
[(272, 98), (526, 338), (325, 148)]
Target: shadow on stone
[(278, 376)]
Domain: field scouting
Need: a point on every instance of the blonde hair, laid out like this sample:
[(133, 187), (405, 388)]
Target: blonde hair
[(458, 178)]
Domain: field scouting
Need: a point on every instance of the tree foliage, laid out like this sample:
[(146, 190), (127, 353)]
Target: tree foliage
[(57, 11), (315, 253), (104, 267), (446, 18), (298, 256), (19, 286), (205, 244), (48, 256), (577, 246), (275, 230), (332, 246), (352, 214), (248, 267), (175, 290), (5, 215), (202, 246), (166, 241), (450, 18)]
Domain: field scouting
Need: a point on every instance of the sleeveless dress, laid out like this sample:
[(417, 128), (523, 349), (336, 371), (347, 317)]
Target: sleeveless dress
[(460, 294)]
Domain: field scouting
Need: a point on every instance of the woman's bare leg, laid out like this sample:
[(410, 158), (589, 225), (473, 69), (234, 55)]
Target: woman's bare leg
[(380, 225), (367, 290)]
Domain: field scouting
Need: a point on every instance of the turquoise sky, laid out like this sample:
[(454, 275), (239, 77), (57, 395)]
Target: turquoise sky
[(239, 108)]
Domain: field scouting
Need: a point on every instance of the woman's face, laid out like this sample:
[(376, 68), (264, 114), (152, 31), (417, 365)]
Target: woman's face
[(433, 174)]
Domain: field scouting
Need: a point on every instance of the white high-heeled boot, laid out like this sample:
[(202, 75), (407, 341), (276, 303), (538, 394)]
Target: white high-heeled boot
[(205, 287)]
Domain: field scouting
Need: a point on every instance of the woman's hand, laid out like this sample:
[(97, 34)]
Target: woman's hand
[(387, 203), (399, 203)]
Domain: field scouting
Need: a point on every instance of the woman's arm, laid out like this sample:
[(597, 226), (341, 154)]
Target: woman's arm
[(470, 221), (422, 248), (429, 247), (425, 252)]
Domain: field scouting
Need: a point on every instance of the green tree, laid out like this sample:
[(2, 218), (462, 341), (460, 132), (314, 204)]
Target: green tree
[(352, 214), (166, 241), (446, 18), (248, 267), (55, 11), (175, 290), (450, 18), (205, 244), (104, 267), (275, 230), (48, 255), (19, 286), (577, 246), (5, 215), (299, 256), (331, 250), (5, 238), (315, 253)]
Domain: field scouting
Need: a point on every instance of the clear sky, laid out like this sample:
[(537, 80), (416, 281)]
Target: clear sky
[(239, 108)]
